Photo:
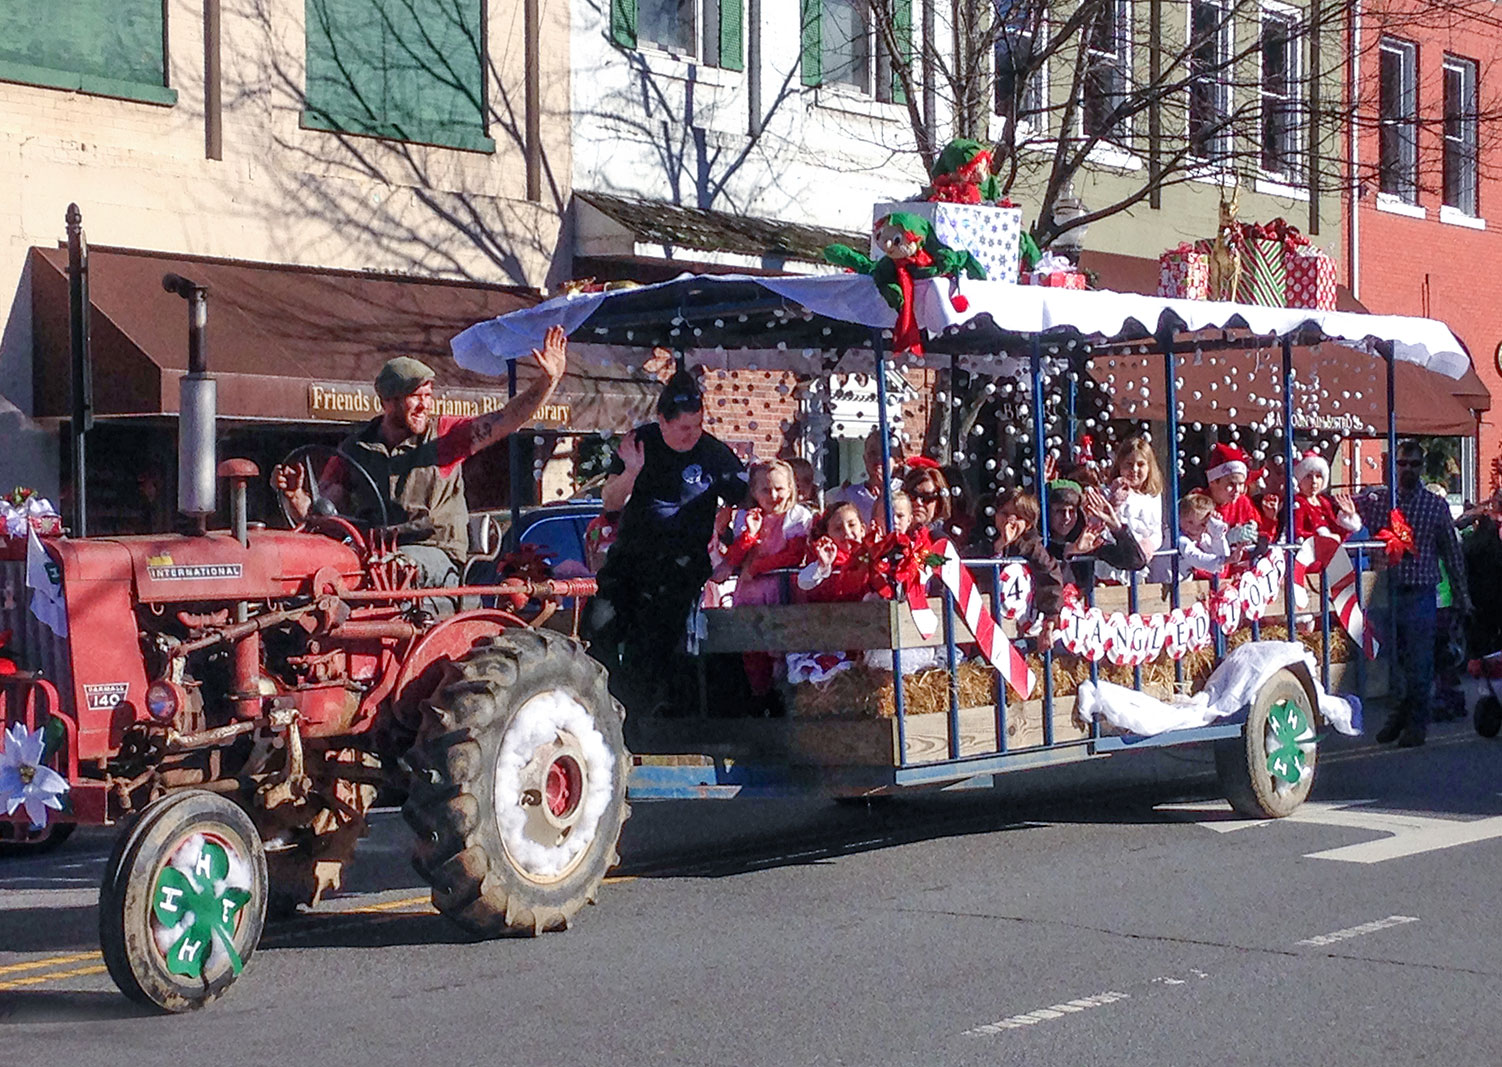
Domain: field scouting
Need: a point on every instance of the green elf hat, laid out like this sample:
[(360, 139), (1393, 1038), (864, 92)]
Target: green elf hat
[(916, 225), (957, 154)]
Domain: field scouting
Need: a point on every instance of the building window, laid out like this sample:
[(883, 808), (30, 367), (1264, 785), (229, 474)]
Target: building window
[(1021, 94), (1280, 94), (1460, 135), (1107, 73), (1209, 85), (709, 31), (1397, 120), (104, 47), (406, 70), (842, 45)]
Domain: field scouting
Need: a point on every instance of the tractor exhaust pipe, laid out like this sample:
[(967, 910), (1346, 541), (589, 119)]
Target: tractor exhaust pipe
[(196, 432)]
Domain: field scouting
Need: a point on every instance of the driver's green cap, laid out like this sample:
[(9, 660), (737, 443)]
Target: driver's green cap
[(401, 376)]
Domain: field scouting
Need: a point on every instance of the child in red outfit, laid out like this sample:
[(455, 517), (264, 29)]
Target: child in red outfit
[(1227, 472), (1313, 508), (769, 536), (839, 571)]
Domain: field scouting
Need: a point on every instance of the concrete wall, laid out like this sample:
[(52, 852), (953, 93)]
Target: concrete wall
[(281, 193)]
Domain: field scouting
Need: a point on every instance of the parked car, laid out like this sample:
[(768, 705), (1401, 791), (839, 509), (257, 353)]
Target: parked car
[(558, 528)]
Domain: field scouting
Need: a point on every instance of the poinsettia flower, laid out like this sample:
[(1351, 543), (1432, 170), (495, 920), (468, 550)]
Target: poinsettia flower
[(24, 781)]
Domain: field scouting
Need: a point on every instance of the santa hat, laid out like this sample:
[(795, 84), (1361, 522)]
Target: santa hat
[(1228, 459), (1311, 461)]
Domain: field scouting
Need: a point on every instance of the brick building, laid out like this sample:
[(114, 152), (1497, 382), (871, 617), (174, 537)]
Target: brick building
[(1419, 241)]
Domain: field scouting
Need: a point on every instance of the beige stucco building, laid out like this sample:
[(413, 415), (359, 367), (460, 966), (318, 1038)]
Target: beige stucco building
[(236, 130)]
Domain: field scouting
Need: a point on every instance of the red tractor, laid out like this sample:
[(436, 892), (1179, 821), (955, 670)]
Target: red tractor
[(236, 698)]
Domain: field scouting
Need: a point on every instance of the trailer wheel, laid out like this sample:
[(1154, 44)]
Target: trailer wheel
[(1268, 771), (1487, 718), (28, 842), (518, 790), (183, 901)]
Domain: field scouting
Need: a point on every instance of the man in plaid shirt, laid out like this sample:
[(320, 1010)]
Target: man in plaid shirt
[(1412, 581)]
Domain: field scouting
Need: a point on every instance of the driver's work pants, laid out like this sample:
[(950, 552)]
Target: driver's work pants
[(435, 570), (636, 625)]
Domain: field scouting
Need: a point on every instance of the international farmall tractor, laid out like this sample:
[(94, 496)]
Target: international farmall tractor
[(235, 698)]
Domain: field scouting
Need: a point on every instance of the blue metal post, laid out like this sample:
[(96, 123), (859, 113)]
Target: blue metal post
[(1001, 685), (899, 702), (517, 467), (1288, 535), (1040, 455), (1392, 430), (1389, 577), (1171, 416), (951, 661)]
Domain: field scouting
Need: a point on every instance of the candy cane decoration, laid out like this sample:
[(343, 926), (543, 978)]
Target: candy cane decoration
[(1323, 552), (993, 643)]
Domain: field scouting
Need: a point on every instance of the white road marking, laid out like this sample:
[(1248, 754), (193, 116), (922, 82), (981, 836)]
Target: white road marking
[(1053, 1011), (1408, 835), (1359, 931)]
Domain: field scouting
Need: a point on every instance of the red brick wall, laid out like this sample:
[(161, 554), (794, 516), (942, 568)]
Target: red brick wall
[(1442, 270), (753, 411)]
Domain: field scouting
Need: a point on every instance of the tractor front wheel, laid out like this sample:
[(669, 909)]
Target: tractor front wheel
[(518, 785), (183, 901)]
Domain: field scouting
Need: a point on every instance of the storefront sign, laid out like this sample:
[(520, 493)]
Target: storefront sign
[(345, 402)]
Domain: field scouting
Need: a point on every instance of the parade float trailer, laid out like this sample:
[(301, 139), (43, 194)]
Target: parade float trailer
[(1134, 666)]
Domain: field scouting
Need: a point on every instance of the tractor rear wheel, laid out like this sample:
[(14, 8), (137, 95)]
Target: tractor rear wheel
[(1268, 771), (518, 788), (183, 901)]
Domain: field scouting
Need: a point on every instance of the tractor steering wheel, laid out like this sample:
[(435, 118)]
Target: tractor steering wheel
[(344, 496)]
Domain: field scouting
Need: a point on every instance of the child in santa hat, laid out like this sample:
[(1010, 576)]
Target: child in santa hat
[(1313, 508), (1227, 471)]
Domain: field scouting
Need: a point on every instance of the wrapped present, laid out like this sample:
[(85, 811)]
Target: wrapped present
[(1056, 279), (1266, 248), (1264, 277), (993, 235), (23, 510), (1055, 271), (1310, 279), (1184, 273)]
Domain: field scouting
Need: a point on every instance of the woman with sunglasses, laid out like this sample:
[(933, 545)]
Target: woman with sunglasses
[(928, 489), (669, 481)]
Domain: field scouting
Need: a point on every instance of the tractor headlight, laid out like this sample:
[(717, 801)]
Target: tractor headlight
[(164, 700)]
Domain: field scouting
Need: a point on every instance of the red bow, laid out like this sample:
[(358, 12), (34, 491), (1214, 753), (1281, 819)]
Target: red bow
[(1398, 537), (922, 463), (897, 563)]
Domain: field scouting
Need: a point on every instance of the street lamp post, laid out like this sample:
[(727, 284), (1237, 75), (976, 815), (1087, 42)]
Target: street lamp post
[(1066, 209)]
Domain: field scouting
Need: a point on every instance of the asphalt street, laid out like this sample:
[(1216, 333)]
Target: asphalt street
[(1118, 914)]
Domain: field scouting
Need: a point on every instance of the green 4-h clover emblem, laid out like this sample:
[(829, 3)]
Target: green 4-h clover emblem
[(1288, 731), (195, 903)]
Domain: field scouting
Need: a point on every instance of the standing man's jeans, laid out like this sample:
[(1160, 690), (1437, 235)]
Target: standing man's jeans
[(1412, 664)]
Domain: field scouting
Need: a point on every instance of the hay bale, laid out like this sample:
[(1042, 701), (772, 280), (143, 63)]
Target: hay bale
[(865, 692)]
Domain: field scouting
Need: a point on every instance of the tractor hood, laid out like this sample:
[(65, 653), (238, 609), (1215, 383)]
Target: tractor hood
[(215, 567)]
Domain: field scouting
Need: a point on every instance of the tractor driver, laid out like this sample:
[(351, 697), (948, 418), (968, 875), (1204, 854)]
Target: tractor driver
[(416, 460)]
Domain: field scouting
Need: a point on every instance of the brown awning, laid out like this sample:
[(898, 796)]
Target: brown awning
[(1338, 389), (288, 344)]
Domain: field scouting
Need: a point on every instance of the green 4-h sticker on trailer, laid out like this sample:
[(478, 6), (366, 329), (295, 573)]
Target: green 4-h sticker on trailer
[(195, 906), (1290, 730)]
